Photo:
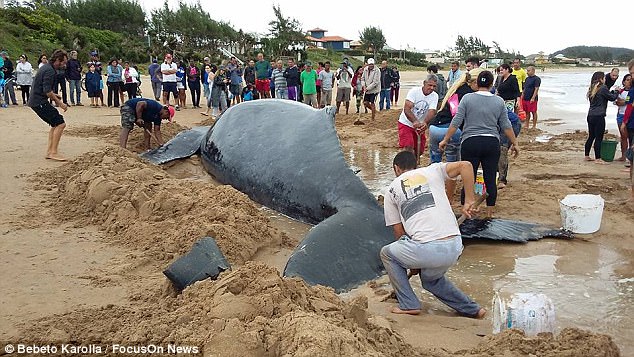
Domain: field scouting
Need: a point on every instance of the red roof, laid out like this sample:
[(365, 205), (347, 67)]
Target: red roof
[(334, 39), (313, 39)]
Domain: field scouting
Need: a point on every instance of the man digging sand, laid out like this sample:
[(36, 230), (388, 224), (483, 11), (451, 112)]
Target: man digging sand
[(143, 112), (41, 92), (428, 238)]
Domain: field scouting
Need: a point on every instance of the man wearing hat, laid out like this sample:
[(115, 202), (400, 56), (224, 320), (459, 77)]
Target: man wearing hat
[(169, 69), (143, 112), (371, 80)]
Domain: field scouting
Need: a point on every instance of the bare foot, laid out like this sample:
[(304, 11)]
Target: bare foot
[(622, 158), (501, 185), (55, 157), (480, 314), (600, 162), (396, 310), (588, 158)]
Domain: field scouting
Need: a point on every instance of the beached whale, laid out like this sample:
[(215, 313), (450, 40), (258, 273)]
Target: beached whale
[(287, 156)]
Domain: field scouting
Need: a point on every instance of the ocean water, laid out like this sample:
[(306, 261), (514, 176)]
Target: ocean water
[(562, 96), (563, 106)]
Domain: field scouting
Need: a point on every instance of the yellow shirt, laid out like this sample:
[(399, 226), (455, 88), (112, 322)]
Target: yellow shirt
[(521, 76)]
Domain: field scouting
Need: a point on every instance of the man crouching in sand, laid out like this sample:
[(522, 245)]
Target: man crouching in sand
[(428, 238), (143, 112)]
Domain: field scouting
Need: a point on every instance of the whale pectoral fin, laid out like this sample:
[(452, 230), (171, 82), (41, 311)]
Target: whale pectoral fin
[(183, 145), (342, 251), (507, 230)]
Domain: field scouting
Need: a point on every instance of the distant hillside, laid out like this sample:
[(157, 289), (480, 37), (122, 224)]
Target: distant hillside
[(598, 53)]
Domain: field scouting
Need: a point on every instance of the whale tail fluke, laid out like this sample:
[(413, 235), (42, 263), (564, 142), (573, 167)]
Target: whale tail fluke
[(342, 251), (183, 145)]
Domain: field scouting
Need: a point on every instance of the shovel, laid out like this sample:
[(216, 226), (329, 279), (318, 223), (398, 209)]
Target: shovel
[(358, 121)]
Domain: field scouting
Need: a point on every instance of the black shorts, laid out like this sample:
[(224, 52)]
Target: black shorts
[(49, 114), (370, 97), (170, 87)]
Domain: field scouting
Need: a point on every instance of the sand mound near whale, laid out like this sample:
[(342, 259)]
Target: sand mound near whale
[(142, 207), (250, 311)]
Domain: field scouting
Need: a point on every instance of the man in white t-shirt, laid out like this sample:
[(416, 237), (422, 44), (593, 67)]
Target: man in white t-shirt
[(428, 238), (419, 110), (169, 69)]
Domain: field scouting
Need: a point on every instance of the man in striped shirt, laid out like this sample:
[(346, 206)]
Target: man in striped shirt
[(277, 76)]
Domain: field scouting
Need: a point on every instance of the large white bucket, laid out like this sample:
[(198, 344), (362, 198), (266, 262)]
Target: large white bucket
[(581, 213), (530, 312)]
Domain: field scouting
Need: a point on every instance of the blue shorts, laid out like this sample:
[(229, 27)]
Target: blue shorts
[(619, 120)]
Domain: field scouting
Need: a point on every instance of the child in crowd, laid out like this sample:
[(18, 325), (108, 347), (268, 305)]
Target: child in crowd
[(249, 93), (93, 82)]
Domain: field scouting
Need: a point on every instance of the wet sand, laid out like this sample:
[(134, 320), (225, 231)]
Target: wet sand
[(72, 260)]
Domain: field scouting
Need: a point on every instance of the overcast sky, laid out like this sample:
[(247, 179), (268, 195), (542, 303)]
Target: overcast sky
[(528, 27)]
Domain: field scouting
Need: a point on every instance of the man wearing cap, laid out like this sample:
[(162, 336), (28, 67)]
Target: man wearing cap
[(371, 80), (41, 93), (262, 75), (143, 112), (169, 69), (154, 70), (94, 60)]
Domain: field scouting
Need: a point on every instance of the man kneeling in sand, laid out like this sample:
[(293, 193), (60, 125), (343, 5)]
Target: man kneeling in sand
[(143, 112), (426, 229)]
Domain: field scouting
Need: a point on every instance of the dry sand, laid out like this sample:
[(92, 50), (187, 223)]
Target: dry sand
[(84, 244)]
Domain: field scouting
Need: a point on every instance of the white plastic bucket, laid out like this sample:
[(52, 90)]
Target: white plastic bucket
[(581, 213), (530, 312)]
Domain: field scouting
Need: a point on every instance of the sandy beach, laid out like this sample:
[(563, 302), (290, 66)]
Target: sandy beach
[(85, 243)]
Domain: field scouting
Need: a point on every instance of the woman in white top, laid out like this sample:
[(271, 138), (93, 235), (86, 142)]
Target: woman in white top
[(41, 61), (24, 77), (210, 81), (627, 85), (130, 80)]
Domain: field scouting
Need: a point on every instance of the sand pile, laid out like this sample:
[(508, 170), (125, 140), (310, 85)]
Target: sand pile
[(380, 132), (571, 342), (111, 134), (250, 311), (144, 208)]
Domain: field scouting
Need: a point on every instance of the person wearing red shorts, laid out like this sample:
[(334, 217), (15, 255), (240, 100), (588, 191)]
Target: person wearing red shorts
[(419, 110), (529, 96), (262, 76)]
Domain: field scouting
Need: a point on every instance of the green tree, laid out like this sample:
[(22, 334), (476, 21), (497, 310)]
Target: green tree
[(285, 35), (123, 16), (372, 38)]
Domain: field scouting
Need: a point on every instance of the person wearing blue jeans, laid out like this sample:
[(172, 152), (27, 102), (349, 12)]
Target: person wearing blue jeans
[(428, 238), (505, 144), (386, 86)]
